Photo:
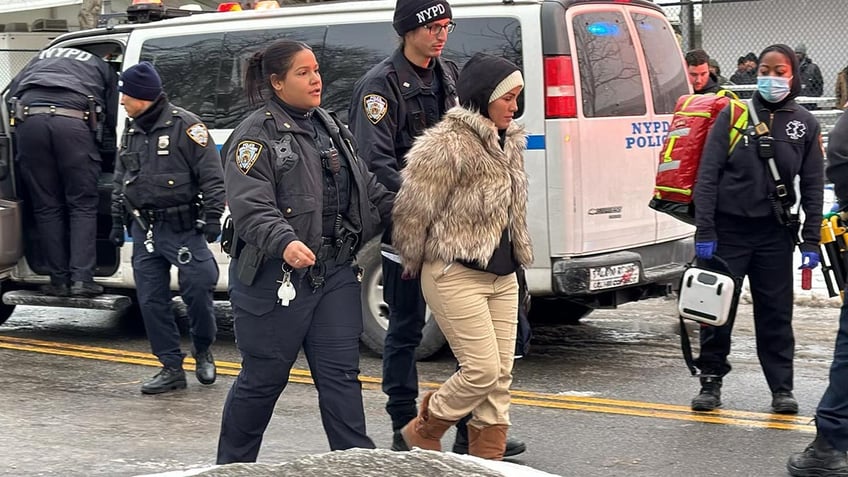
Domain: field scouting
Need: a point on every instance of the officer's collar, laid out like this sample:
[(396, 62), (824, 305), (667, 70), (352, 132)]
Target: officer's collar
[(159, 114), (408, 79), (283, 119)]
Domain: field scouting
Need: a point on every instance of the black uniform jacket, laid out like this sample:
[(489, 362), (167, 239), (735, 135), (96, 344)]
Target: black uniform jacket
[(169, 165), (740, 184), (386, 115), (837, 159), (274, 181), (74, 70)]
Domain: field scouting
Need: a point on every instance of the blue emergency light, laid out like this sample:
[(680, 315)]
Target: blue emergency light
[(603, 29)]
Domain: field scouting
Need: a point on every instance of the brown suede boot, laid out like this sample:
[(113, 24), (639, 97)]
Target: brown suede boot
[(425, 431), (487, 442)]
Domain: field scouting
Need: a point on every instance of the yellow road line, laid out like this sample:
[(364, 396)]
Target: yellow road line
[(526, 398)]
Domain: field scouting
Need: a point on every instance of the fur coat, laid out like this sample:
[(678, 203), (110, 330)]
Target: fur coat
[(459, 192)]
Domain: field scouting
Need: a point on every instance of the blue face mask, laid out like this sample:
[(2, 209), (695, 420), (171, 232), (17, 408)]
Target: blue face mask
[(774, 89)]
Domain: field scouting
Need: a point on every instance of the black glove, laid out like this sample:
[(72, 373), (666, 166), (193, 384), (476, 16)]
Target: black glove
[(211, 230), (116, 236)]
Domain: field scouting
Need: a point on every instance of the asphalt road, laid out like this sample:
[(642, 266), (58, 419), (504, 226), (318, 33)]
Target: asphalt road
[(607, 397)]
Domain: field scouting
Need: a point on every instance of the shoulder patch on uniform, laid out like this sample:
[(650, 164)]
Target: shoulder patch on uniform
[(375, 107), (198, 133), (247, 152)]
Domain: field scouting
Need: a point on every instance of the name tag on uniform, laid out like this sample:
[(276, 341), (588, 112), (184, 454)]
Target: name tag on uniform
[(164, 142)]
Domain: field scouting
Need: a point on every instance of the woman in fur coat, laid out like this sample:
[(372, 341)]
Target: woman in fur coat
[(460, 222)]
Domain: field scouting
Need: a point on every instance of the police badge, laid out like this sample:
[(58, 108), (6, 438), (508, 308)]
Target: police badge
[(163, 143), (375, 107), (247, 152), (198, 133)]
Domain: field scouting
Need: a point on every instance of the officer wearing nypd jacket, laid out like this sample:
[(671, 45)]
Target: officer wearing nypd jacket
[(392, 104), (169, 192), (64, 107), (735, 215)]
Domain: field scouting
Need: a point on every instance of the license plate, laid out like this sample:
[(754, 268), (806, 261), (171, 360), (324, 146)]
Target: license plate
[(613, 276)]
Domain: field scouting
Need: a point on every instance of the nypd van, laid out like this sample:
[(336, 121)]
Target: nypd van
[(602, 78)]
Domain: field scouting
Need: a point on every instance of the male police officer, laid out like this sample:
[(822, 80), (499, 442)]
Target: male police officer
[(64, 111), (826, 455), (392, 104), (169, 181)]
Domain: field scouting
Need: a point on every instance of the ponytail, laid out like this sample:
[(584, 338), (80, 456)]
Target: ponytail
[(254, 79)]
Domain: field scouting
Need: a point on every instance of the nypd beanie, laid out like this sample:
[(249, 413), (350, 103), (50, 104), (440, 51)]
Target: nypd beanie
[(411, 14), (141, 81)]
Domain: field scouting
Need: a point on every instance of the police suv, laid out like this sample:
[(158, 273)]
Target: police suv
[(602, 78)]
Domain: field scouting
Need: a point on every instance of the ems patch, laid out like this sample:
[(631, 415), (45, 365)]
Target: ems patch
[(796, 129), (375, 107), (247, 152), (198, 133)]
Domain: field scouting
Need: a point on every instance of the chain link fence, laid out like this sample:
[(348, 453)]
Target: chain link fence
[(12, 61), (728, 30)]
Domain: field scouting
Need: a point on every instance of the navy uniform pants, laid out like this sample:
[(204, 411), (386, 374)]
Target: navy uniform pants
[(59, 165), (407, 310), (832, 413), (197, 278), (761, 249), (327, 323)]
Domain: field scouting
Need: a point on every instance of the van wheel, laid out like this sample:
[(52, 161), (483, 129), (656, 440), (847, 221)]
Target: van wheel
[(375, 311), (5, 310)]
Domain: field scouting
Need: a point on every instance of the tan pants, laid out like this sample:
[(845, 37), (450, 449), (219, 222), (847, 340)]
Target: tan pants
[(478, 314)]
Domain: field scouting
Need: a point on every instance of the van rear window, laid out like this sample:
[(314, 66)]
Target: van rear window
[(665, 67), (610, 79)]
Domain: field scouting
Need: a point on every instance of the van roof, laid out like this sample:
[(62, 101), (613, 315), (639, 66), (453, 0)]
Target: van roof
[(319, 9)]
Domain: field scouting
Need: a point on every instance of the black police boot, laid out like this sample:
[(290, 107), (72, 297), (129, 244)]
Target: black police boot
[(710, 396), (783, 402), (204, 370), (86, 289), (168, 379), (818, 459), (56, 289), (513, 446)]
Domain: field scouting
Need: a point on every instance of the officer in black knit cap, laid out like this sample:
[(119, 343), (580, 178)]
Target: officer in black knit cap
[(392, 104), (167, 159)]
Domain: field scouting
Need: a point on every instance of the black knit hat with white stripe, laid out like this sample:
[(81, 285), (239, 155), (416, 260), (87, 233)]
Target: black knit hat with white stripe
[(485, 78)]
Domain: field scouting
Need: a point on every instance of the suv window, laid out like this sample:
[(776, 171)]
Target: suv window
[(610, 79), (349, 52), (205, 73), (665, 71), (189, 67)]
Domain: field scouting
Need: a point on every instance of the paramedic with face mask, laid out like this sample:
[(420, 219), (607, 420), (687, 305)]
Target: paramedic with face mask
[(735, 199)]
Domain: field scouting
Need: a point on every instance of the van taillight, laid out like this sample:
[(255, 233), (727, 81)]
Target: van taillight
[(560, 97)]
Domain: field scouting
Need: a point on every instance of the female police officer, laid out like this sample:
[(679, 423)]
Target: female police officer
[(302, 204)]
